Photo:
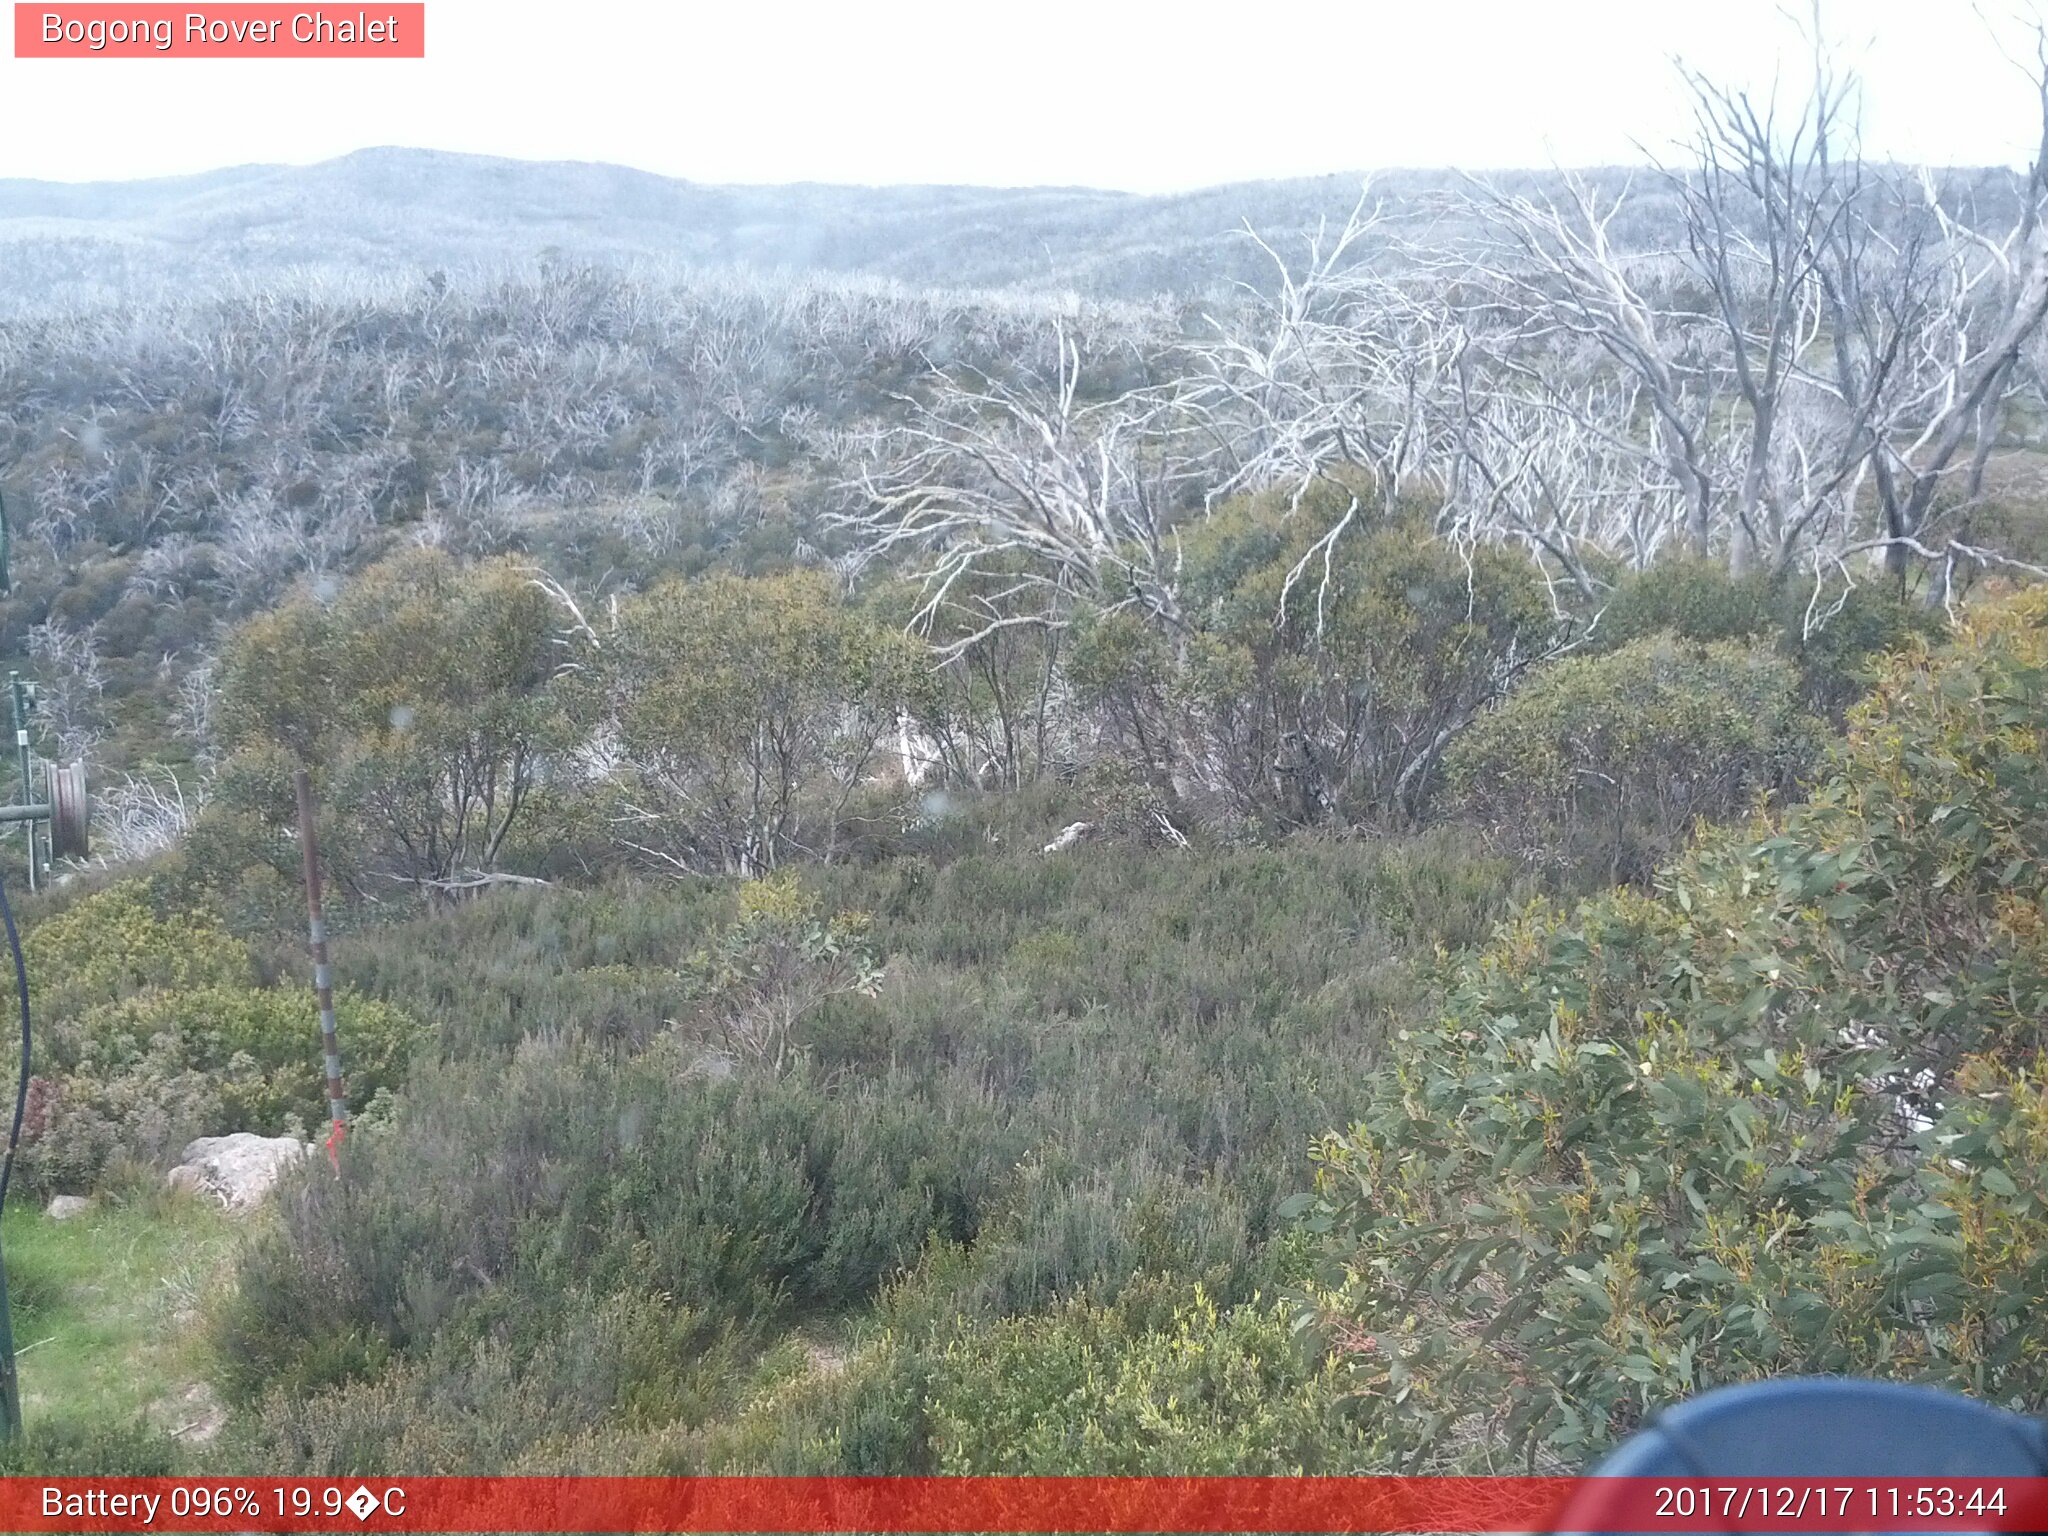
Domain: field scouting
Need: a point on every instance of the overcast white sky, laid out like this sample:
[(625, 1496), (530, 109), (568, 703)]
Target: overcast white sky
[(1112, 93)]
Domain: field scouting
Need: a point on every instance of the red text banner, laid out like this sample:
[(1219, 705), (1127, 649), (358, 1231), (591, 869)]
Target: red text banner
[(1022, 1504), (224, 31)]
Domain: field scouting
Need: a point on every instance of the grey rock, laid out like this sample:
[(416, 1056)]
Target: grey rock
[(239, 1170)]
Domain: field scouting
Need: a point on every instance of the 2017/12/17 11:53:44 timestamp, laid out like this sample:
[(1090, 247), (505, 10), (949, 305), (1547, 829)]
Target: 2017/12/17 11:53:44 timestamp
[(1888, 1499)]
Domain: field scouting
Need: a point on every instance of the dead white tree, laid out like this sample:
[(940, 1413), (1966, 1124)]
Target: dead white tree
[(1335, 366), (71, 674), (1826, 361), (143, 815), (1061, 494), (1554, 477), (1554, 277)]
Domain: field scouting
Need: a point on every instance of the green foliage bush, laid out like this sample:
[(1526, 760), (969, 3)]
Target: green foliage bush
[(152, 1033), (99, 1118), (1843, 657), (780, 961), (750, 709), (1082, 1387), (92, 1450), (261, 1045), (1082, 1078), (1138, 1237), (572, 1399), (114, 944), (424, 690), (1079, 1391), (1691, 597), (1608, 761), (1314, 683), (1784, 1116), (515, 1188), (1835, 636), (145, 1076)]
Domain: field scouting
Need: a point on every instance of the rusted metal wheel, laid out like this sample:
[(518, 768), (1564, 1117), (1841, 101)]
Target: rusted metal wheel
[(70, 812)]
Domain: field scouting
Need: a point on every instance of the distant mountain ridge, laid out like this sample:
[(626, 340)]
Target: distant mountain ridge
[(394, 211), (382, 209)]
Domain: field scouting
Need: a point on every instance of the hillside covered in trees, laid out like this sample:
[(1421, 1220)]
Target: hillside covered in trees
[(399, 212), (1381, 854)]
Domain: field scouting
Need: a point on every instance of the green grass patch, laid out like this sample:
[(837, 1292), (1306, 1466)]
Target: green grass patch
[(107, 1311)]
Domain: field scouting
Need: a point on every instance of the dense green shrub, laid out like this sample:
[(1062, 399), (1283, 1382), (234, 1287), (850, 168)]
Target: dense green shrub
[(1835, 635), (238, 859), (1083, 1078), (1315, 682), (1136, 1236), (501, 1192), (1124, 671), (139, 1112), (1785, 1116), (114, 944), (425, 693), (1608, 761), (1842, 657), (748, 711), (92, 1450), (1691, 597), (573, 1398), (1081, 1387), (152, 1034), (136, 1079), (1078, 1391), (261, 1044), (598, 964), (777, 964)]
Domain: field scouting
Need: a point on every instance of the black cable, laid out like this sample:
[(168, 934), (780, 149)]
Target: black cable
[(21, 1090)]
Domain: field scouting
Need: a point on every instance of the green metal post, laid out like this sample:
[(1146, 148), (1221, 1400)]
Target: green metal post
[(18, 691), (20, 696), (10, 1384)]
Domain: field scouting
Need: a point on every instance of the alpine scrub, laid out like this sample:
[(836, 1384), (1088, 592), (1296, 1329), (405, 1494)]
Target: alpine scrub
[(1783, 1115)]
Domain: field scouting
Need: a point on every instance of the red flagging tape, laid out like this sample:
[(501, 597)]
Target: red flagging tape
[(1203, 1505)]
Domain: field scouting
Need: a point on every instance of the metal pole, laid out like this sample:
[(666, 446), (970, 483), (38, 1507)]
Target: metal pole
[(323, 979), (18, 693), (10, 1383)]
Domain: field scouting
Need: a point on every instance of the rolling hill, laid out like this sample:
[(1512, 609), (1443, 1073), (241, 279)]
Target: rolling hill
[(385, 210)]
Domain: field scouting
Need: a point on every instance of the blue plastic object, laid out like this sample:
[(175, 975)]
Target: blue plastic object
[(1827, 1426), (1822, 1427)]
